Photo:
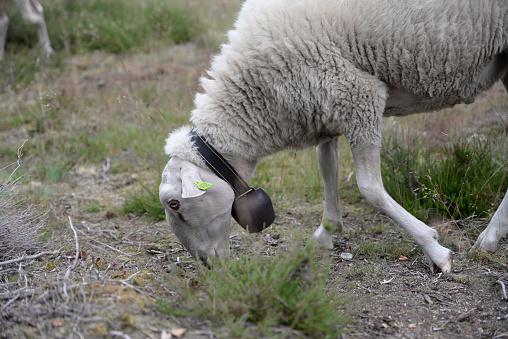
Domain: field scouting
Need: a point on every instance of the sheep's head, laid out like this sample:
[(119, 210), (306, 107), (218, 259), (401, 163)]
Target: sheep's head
[(198, 213)]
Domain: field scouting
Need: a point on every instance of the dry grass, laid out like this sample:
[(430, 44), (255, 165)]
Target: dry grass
[(20, 221), (96, 125)]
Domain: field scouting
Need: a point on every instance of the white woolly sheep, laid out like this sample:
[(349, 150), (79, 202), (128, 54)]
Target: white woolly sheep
[(32, 12), (298, 73)]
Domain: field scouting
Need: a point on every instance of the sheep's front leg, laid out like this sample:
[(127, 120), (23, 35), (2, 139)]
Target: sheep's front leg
[(32, 12), (328, 160), (368, 176), (4, 24), (497, 229)]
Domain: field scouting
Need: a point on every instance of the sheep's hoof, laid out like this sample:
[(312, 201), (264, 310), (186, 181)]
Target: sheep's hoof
[(48, 51), (323, 237), (445, 264), (486, 243)]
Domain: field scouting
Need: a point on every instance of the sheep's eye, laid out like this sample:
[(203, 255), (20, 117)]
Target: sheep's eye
[(174, 204)]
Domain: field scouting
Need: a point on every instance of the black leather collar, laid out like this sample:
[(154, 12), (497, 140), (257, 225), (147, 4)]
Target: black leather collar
[(218, 165), (252, 208)]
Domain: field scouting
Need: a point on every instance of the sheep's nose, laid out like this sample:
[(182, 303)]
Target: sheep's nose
[(214, 253)]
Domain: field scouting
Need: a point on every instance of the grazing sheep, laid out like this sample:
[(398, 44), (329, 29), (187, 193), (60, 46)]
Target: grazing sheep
[(298, 73), (32, 12)]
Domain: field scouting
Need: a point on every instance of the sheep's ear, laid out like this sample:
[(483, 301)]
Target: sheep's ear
[(190, 175)]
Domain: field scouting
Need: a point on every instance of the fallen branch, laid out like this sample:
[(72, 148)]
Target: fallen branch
[(28, 257), (124, 282), (103, 244), (427, 299), (23, 290), (505, 297), (68, 272), (387, 281), (77, 245), (10, 302), (145, 332), (466, 315), (456, 221)]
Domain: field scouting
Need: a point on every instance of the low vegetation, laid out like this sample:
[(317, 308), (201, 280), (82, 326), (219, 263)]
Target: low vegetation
[(458, 180), (21, 221), (145, 201), (78, 27), (96, 116), (84, 26), (286, 289)]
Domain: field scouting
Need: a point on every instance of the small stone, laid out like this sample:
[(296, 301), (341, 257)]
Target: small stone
[(57, 322), (346, 256), (178, 332)]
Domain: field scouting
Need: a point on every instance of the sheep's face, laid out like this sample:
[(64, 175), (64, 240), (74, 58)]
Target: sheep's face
[(198, 213)]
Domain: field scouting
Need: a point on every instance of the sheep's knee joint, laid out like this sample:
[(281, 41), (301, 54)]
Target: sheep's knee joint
[(372, 194)]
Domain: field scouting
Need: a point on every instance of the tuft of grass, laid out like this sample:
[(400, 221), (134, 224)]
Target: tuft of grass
[(20, 220), (469, 180), (364, 270), (94, 207), (287, 290), (458, 180), (493, 259), (145, 201)]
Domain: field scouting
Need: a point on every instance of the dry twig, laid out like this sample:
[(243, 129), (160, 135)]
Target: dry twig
[(103, 244), (29, 257), (77, 244), (503, 288), (19, 220), (68, 272)]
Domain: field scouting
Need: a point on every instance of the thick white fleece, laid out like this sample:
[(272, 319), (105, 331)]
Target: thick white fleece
[(295, 73)]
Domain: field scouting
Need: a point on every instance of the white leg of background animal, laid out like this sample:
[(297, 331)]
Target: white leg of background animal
[(497, 229), (4, 24), (498, 226), (368, 176), (328, 160), (32, 12)]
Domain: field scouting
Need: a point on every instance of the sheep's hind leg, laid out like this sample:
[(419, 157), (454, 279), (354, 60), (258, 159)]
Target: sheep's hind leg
[(32, 12), (4, 24), (498, 225), (497, 228), (368, 175), (328, 160)]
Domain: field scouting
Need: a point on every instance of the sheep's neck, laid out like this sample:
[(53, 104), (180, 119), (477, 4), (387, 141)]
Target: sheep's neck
[(223, 144)]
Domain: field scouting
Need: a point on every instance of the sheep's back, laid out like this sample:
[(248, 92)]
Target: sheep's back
[(402, 42), (283, 55)]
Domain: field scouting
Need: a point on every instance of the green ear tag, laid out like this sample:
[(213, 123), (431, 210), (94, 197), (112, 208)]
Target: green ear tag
[(203, 185)]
